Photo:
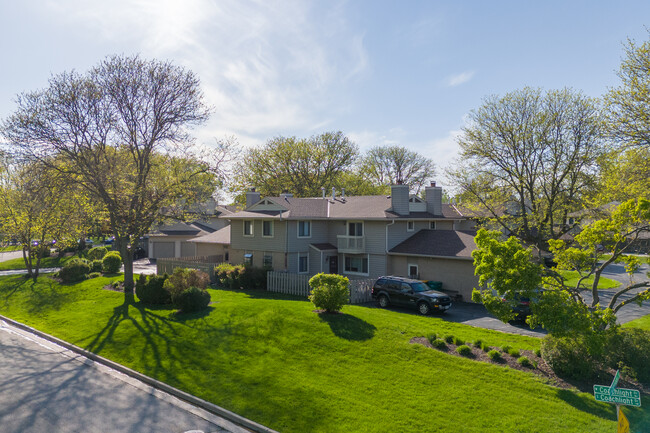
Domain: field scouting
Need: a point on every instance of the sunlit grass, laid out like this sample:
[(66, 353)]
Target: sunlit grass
[(270, 358)]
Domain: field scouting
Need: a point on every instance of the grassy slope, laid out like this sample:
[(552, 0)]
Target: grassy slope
[(270, 358)]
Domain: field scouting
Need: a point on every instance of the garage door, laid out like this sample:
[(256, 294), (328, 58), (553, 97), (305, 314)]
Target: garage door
[(188, 249), (163, 250)]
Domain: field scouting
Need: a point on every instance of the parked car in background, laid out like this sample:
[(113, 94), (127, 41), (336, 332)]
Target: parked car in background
[(406, 292), (139, 253), (522, 304)]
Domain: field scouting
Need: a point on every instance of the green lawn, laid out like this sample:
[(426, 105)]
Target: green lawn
[(642, 322), (10, 248), (46, 262), (272, 359), (572, 277)]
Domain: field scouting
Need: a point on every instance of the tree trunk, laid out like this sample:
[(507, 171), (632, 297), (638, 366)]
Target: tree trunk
[(127, 258), (28, 261)]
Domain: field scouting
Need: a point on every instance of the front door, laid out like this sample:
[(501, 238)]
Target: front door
[(334, 264)]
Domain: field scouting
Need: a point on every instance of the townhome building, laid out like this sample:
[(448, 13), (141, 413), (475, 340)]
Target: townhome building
[(357, 236)]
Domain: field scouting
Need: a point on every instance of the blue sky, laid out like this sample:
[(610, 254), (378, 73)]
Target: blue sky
[(398, 72)]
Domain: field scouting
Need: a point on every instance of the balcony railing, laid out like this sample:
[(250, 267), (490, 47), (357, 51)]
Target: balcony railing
[(351, 244)]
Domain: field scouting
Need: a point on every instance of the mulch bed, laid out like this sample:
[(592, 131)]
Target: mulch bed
[(542, 370), (119, 288)]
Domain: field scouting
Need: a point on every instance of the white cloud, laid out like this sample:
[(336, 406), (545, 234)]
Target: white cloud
[(458, 79), (268, 67)]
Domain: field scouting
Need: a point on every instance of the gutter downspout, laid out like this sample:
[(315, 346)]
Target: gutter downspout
[(387, 225)]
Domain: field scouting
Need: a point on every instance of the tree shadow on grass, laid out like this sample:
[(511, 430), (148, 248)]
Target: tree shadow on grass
[(588, 404), (348, 327), (45, 296)]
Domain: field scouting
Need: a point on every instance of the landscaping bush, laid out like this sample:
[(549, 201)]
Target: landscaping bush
[(494, 355), (629, 350), (458, 341), (485, 347), (439, 344), (506, 349), (111, 262), (432, 337), (96, 266), (41, 250), (464, 350), (94, 274), (97, 253), (477, 343), (567, 357), (524, 362), (150, 289), (253, 278), (183, 278), (538, 353), (191, 300), (449, 338), (329, 292), (228, 275), (74, 270), (514, 353)]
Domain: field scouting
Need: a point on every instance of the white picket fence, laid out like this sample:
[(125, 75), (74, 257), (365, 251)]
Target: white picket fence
[(298, 284)]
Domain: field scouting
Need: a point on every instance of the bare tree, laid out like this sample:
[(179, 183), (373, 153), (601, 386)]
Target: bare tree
[(527, 158), (387, 165), (120, 132)]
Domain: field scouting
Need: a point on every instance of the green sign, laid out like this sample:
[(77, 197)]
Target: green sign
[(628, 397)]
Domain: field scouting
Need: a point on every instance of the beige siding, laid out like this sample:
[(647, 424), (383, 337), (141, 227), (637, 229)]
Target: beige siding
[(257, 241), (188, 249), (454, 274), (161, 250), (210, 249)]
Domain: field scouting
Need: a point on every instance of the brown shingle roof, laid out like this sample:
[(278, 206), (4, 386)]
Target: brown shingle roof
[(440, 243), (355, 207), (221, 236)]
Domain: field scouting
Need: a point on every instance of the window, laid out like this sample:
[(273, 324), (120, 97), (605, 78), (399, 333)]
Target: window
[(355, 229), (248, 228), (267, 229), (356, 264), (303, 263), (268, 260), (413, 271), (304, 229), (410, 226), (432, 225), (248, 259)]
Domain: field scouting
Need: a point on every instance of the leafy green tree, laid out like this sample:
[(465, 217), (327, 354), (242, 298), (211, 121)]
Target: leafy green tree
[(37, 205), (388, 165), (507, 271), (624, 175), (300, 166), (528, 158), (120, 131), (628, 106)]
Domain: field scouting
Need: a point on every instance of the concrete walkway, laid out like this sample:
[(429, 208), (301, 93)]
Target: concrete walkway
[(47, 388)]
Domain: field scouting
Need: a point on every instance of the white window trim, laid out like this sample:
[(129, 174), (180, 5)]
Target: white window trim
[(357, 273), (408, 269), (272, 229), (300, 255), (243, 228), (298, 229), (363, 228), (412, 224)]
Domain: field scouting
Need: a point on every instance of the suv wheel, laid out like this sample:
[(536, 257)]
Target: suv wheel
[(424, 308), (383, 301)]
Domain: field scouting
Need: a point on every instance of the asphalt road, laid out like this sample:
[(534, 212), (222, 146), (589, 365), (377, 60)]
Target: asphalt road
[(46, 388)]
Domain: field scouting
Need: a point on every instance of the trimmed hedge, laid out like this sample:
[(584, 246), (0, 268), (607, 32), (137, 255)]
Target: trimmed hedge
[(111, 262), (329, 292), (97, 253), (240, 276), (74, 270), (191, 300), (182, 279), (150, 289)]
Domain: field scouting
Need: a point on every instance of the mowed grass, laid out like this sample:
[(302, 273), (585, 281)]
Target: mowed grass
[(10, 248), (46, 262), (272, 359), (571, 278), (641, 322)]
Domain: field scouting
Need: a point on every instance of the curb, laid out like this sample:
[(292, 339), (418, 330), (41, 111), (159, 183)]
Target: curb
[(188, 398)]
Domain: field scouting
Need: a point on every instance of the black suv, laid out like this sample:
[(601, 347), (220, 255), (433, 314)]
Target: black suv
[(407, 292)]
